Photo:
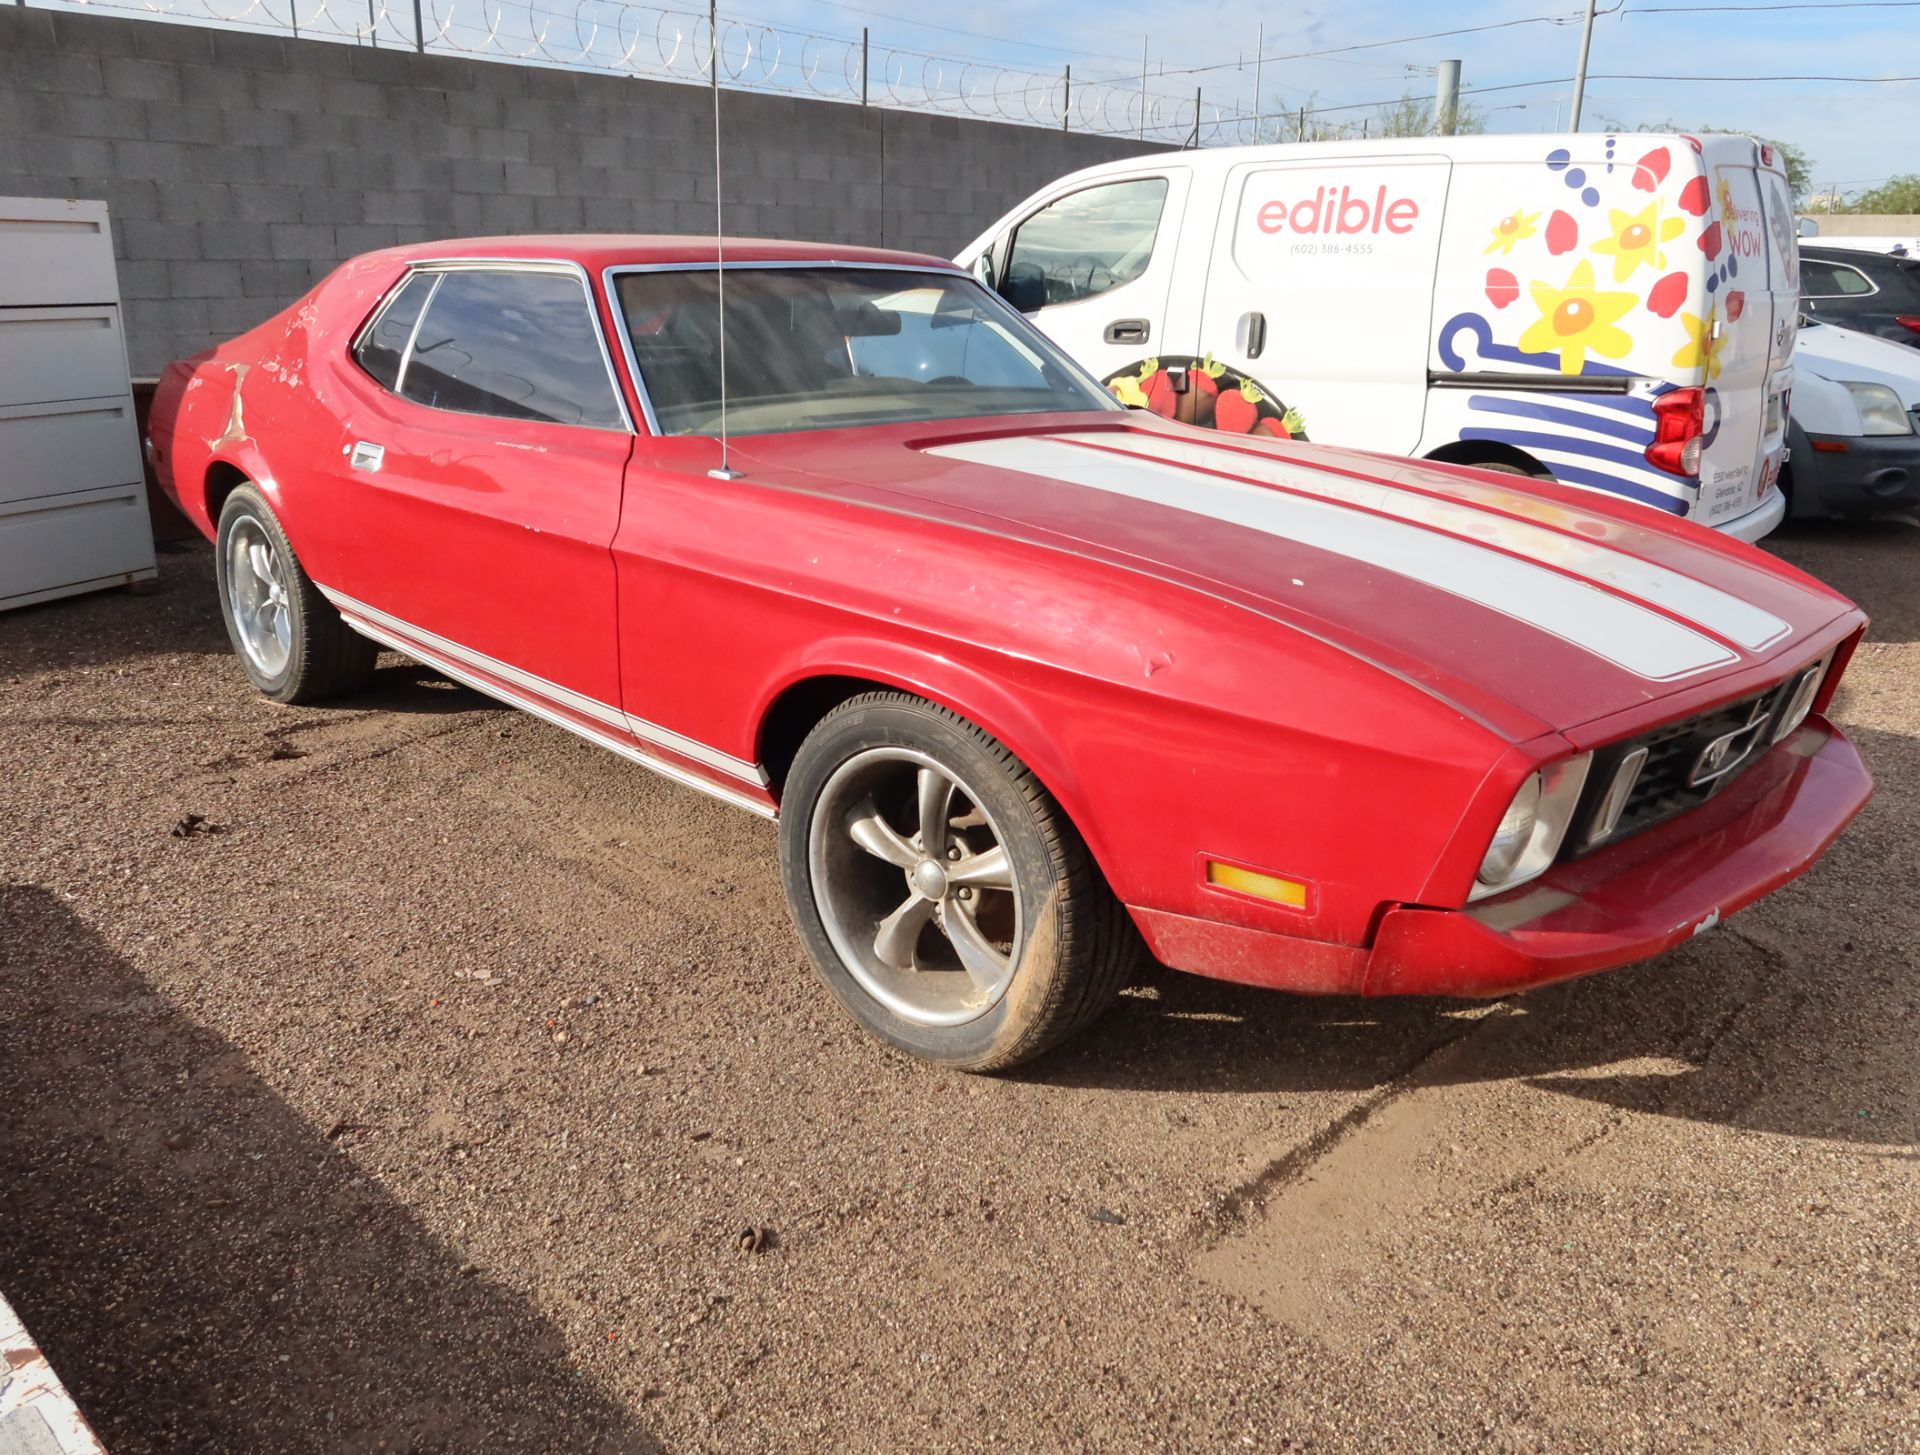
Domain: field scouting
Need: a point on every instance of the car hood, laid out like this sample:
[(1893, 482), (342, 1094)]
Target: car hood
[(1526, 608), (1848, 355)]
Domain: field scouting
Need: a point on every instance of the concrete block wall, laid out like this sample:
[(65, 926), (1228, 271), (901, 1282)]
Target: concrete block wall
[(240, 168)]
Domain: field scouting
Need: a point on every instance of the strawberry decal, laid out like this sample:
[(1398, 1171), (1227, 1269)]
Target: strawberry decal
[(1213, 396), (1281, 426), (1502, 287), (1236, 412), (1694, 197)]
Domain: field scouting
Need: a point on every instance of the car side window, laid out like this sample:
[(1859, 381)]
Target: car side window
[(519, 344), (1084, 244), (383, 347), (1831, 280)]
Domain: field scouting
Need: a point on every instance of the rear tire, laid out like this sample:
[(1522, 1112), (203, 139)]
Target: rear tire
[(291, 643), (976, 945)]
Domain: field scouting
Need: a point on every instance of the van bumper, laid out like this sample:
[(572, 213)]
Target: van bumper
[(1757, 522)]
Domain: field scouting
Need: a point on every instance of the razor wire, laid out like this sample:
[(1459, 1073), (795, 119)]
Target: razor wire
[(660, 42)]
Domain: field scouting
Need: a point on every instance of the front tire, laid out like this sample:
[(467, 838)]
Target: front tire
[(940, 891), (291, 643)]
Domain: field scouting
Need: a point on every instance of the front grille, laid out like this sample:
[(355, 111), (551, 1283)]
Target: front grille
[(1674, 751)]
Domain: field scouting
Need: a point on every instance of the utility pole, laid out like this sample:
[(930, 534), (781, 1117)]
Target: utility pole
[(1143, 88), (1580, 73), (1259, 56), (1446, 99)]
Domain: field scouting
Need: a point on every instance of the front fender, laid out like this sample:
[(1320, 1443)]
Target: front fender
[(973, 690)]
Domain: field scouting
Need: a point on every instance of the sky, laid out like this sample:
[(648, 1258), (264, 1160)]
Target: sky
[(1856, 135)]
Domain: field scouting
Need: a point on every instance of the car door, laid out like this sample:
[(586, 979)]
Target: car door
[(478, 481), (1322, 291), (1093, 268)]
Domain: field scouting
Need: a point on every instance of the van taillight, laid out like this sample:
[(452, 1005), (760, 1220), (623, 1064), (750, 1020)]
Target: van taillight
[(1679, 419)]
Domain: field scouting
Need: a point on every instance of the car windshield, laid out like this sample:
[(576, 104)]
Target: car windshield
[(829, 347)]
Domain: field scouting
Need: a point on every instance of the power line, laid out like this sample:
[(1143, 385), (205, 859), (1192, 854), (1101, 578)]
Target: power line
[(1368, 45), (1804, 5)]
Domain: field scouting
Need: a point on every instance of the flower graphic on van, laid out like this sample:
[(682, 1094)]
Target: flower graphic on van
[(1513, 228), (1637, 239), (1577, 319), (1703, 345)]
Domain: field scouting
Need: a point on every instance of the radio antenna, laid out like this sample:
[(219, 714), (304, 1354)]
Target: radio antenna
[(725, 472)]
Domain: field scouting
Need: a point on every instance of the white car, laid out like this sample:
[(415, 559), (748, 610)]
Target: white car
[(1855, 434)]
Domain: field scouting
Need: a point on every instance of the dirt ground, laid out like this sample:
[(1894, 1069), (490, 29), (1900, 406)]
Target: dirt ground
[(418, 1095)]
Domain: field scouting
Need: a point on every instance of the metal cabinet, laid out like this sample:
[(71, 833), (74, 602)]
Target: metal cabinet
[(73, 500)]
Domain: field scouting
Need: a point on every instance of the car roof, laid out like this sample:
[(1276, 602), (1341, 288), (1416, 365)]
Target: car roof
[(1854, 257), (595, 251)]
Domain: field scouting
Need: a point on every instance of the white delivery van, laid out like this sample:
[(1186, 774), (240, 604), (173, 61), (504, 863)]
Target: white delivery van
[(1613, 311)]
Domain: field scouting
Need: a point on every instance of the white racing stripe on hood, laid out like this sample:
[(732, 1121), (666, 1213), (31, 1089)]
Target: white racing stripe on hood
[(1719, 612), (1631, 636)]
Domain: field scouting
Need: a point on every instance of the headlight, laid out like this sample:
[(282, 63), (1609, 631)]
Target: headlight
[(1531, 830), (1806, 687), (1881, 411), (1510, 840)]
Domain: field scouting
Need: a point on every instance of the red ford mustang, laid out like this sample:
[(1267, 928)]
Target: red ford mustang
[(1030, 681)]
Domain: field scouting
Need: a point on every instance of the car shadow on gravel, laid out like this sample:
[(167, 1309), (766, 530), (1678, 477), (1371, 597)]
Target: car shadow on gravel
[(209, 1271)]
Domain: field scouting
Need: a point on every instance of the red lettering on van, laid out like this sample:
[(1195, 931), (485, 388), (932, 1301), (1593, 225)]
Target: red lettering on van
[(1339, 211)]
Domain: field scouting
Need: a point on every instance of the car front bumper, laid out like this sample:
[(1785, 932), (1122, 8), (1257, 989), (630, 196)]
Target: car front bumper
[(1619, 905), (1641, 896), (1868, 475)]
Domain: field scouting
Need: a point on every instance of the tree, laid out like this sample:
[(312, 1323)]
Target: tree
[(1901, 194), (1798, 167), (1412, 115)]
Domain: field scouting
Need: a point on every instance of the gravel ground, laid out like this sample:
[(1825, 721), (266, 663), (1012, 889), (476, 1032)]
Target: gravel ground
[(405, 1075)]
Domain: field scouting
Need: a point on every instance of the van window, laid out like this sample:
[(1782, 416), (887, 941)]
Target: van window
[(1084, 244), (517, 344), (1831, 280)]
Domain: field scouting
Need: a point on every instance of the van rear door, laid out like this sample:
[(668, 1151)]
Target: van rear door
[(1320, 290), (1748, 332)]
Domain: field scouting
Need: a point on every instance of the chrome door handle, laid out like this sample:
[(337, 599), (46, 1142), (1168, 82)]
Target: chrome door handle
[(1128, 331), (1250, 335), (365, 456)]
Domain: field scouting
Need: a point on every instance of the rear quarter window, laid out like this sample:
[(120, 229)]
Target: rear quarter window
[(383, 347), (1822, 279)]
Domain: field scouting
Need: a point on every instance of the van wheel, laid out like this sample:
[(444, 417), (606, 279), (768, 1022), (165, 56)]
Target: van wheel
[(941, 893)]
